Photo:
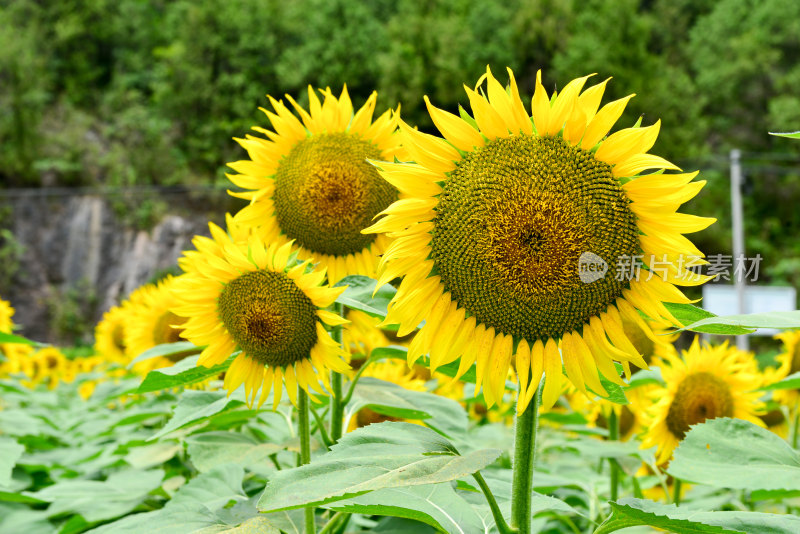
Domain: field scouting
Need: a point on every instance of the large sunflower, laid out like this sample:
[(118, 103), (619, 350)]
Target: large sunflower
[(243, 296), (311, 182), (496, 220), (706, 383)]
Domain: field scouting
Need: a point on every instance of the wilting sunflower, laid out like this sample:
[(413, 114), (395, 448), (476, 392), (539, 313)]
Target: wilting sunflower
[(789, 363), (244, 296), (311, 181), (151, 320), (109, 334), (505, 225), (706, 383)]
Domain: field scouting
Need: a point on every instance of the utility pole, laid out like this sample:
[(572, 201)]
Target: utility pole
[(742, 342)]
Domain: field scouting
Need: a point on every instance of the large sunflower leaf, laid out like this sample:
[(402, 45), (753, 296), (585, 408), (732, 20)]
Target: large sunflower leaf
[(97, 501), (442, 414), (211, 449), (358, 295), (10, 452), (732, 453), (437, 505), (202, 506), (196, 405), (383, 455), (632, 512), (183, 373), (699, 320), (790, 135)]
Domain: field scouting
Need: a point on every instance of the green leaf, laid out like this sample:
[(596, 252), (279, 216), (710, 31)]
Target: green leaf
[(632, 512), (19, 340), (98, 501), (442, 414), (383, 455), (743, 323), (10, 452), (195, 507), (790, 382), (196, 405), (211, 449), (183, 373), (790, 135), (732, 453), (175, 351), (358, 295), (437, 505)]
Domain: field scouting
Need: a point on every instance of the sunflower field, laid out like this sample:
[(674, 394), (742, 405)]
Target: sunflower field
[(404, 332)]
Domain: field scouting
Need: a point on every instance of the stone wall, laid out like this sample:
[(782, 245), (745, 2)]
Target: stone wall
[(78, 253)]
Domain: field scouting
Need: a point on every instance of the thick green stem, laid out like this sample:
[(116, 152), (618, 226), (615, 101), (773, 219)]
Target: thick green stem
[(334, 523), (337, 406), (796, 427), (676, 492), (613, 435), (305, 447), (524, 452), (500, 521)]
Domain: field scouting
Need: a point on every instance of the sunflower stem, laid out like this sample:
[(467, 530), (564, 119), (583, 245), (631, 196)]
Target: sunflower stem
[(676, 492), (304, 429), (337, 404), (613, 435), (796, 428), (499, 520), (321, 426), (524, 454)]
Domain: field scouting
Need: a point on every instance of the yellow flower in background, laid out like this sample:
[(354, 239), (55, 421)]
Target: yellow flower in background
[(6, 312), (109, 334), (362, 334), (151, 321), (248, 297), (495, 219), (310, 180), (788, 364), (630, 416), (49, 366), (705, 383)]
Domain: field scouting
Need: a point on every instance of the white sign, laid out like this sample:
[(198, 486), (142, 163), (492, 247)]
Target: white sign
[(721, 299)]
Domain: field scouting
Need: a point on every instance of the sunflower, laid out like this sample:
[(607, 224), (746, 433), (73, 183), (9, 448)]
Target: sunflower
[(6, 312), (706, 383), (500, 221), (362, 334), (311, 181), (789, 363), (151, 321), (247, 297), (630, 416), (109, 334)]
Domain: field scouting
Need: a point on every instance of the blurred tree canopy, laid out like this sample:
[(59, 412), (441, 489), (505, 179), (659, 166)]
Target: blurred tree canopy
[(138, 92)]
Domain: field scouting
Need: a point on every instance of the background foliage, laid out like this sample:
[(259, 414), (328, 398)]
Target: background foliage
[(134, 92)]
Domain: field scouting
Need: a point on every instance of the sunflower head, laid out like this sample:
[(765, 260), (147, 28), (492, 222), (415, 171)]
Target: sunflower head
[(706, 382), (509, 229), (241, 295), (151, 321), (311, 180), (109, 334)]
